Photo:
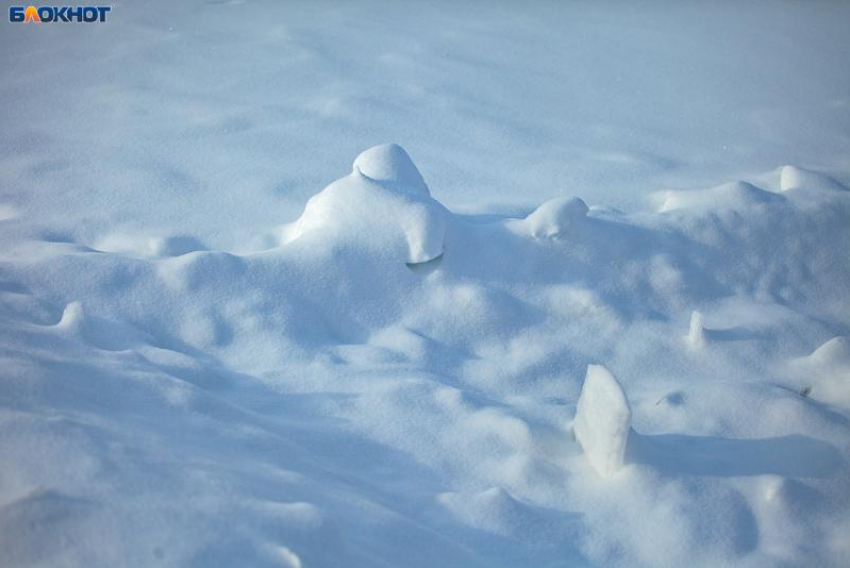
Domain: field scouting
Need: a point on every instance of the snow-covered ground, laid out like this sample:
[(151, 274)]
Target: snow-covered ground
[(597, 313)]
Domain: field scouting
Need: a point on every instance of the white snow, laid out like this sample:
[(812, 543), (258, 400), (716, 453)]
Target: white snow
[(696, 332), (825, 374), (397, 214), (603, 420), (206, 359), (737, 195), (333, 404), (555, 218), (390, 163)]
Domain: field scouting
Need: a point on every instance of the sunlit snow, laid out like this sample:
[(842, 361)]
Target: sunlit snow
[(577, 297)]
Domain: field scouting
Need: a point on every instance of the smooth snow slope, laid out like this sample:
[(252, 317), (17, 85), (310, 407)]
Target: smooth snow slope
[(203, 361)]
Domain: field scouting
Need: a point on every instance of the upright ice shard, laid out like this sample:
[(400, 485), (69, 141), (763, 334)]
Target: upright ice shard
[(602, 421)]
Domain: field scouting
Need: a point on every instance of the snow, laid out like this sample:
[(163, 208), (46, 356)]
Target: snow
[(384, 203), (390, 163), (555, 218), (207, 359), (696, 333), (825, 374), (737, 195), (603, 420)]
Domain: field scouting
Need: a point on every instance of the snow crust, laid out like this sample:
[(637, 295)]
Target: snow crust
[(603, 419)]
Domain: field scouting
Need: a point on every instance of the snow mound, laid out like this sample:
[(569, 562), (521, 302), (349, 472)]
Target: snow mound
[(602, 421), (794, 177), (336, 407), (737, 195), (390, 163), (826, 372), (555, 217), (382, 206)]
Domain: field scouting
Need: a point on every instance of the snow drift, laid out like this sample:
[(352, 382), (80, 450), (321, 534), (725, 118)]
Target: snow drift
[(317, 401), (384, 204)]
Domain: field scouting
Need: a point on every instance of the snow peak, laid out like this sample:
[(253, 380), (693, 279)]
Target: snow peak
[(88, 14)]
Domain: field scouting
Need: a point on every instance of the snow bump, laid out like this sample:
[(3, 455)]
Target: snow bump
[(555, 217), (390, 163), (384, 205), (739, 195)]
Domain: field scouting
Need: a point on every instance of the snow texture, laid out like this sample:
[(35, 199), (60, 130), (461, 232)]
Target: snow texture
[(603, 420), (206, 359), (330, 392)]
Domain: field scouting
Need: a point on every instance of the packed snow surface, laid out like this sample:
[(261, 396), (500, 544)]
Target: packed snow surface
[(206, 359)]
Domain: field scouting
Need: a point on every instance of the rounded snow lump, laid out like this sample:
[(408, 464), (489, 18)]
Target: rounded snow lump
[(556, 216), (383, 205), (390, 163)]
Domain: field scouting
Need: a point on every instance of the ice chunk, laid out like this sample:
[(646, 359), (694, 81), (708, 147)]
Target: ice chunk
[(602, 421), (696, 334), (390, 163)]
